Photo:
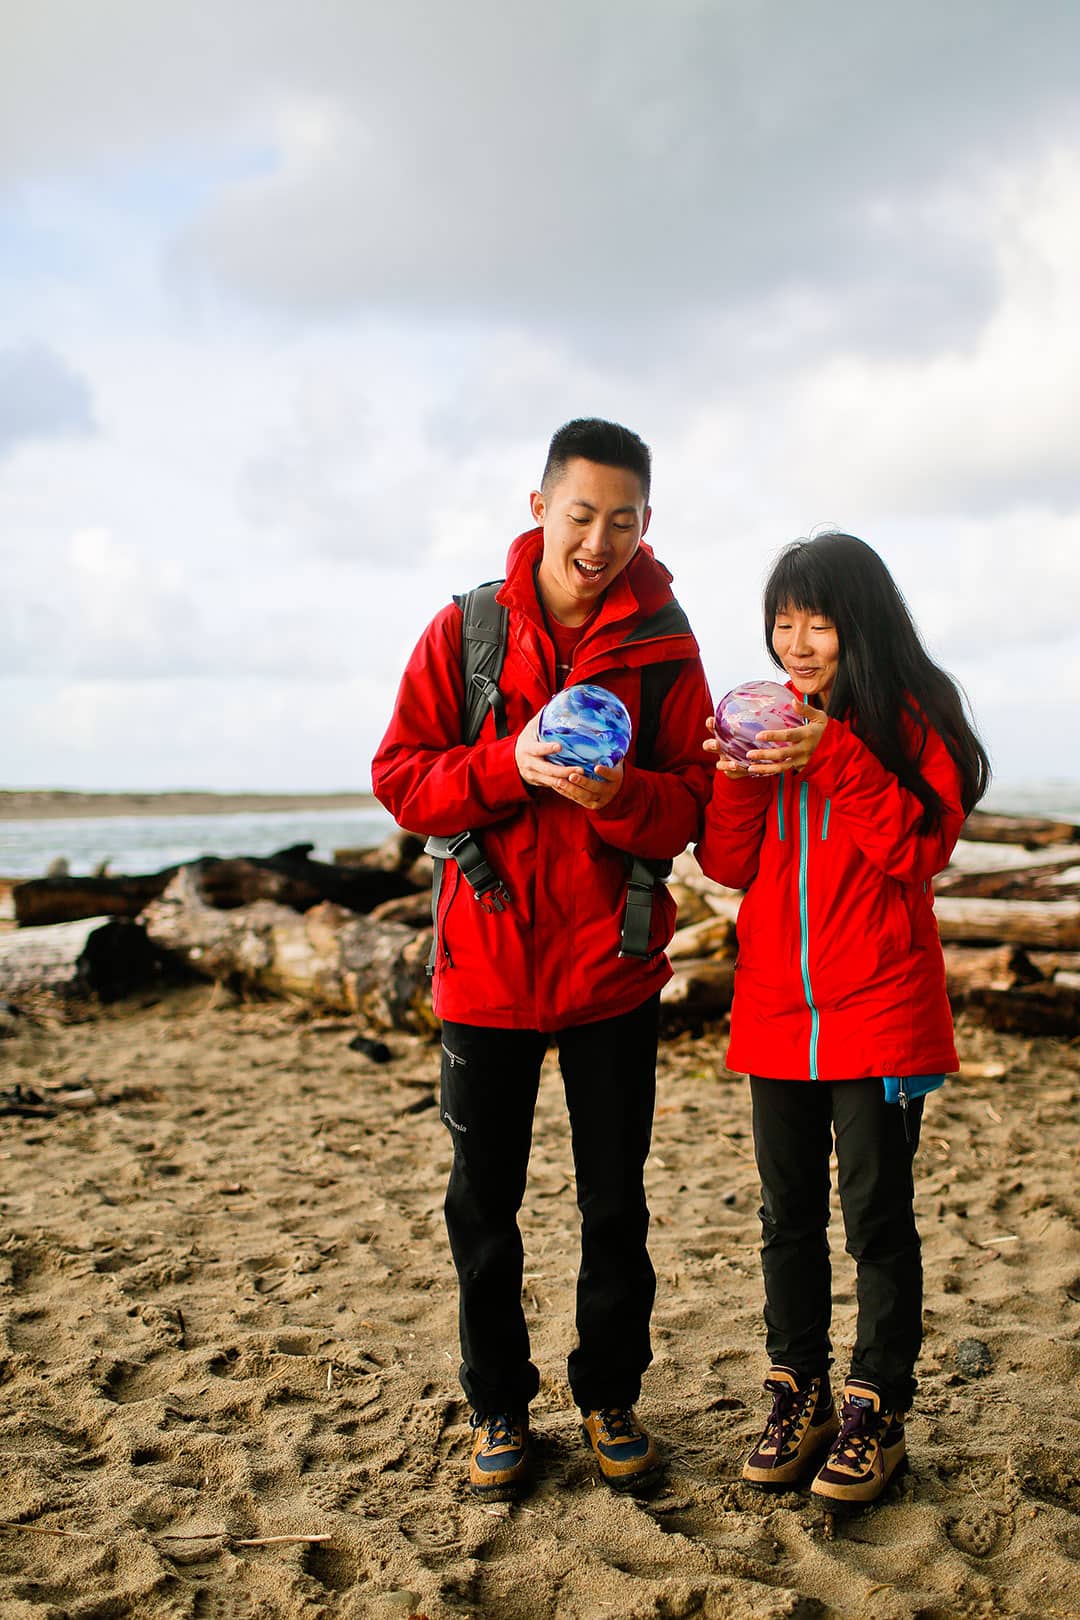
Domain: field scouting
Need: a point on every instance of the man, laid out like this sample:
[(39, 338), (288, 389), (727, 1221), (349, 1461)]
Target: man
[(587, 602)]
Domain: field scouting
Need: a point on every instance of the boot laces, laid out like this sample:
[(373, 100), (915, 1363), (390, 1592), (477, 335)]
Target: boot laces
[(499, 1428), (787, 1408), (619, 1423), (858, 1433)]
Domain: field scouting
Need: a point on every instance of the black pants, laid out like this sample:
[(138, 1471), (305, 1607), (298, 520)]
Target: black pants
[(490, 1079), (794, 1122)]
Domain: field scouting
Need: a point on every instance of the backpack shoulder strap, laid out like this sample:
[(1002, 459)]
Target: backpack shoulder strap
[(485, 624), (656, 682), (644, 875), (483, 648)]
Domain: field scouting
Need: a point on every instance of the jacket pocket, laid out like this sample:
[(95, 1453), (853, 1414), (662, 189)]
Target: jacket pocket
[(451, 883)]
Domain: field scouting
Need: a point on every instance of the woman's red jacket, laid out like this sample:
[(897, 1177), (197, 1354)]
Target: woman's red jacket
[(840, 972)]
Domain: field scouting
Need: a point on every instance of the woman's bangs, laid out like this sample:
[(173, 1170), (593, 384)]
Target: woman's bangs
[(800, 584)]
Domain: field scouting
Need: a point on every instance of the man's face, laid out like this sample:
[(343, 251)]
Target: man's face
[(592, 519)]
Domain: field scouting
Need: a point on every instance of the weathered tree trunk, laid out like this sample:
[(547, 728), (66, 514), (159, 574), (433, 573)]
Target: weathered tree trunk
[(40, 901), (1054, 880), (398, 853), (290, 878), (1034, 832), (994, 967), (1046, 923), (707, 938), (1046, 1008), (65, 966), (700, 989), (327, 955)]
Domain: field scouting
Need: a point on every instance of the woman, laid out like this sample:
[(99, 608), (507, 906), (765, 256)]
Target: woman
[(836, 829)]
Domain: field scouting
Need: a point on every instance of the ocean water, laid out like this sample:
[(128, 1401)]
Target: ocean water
[(135, 844), (1056, 799)]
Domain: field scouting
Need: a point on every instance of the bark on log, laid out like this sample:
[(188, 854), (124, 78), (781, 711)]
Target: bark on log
[(1033, 832), (1034, 1009), (289, 877), (327, 955), (66, 966), (691, 907), (997, 967), (1056, 880), (707, 938), (40, 901), (398, 853), (702, 988), (414, 910), (292, 879), (1046, 923), (1049, 964)]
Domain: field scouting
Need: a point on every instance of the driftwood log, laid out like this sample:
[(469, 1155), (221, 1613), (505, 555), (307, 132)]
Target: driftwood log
[(398, 853), (326, 955), (1050, 880), (47, 900), (700, 988), (67, 966), (289, 877), (1049, 924), (1033, 832)]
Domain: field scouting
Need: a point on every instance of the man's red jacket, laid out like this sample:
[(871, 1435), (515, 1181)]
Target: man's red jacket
[(840, 973), (551, 959)]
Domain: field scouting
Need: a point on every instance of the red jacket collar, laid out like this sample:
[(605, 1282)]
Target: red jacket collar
[(642, 588)]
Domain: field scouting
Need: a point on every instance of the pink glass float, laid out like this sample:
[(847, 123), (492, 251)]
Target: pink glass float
[(748, 709)]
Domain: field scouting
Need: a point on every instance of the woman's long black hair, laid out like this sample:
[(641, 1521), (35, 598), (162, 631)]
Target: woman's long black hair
[(884, 671)]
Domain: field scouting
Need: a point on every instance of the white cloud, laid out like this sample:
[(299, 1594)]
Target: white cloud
[(41, 397)]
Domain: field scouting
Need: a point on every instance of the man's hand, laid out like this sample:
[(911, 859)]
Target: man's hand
[(537, 763), (590, 793)]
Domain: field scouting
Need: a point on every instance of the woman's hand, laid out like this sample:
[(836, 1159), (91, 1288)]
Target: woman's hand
[(792, 748), (729, 767)]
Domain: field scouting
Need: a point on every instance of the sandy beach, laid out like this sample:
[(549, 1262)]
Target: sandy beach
[(227, 1314)]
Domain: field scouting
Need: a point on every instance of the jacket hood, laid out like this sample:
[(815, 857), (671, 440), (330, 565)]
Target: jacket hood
[(639, 620)]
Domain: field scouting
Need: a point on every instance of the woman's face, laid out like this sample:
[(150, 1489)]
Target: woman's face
[(809, 648)]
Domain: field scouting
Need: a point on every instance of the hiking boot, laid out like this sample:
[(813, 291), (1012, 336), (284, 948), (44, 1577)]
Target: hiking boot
[(803, 1420), (499, 1465), (622, 1448), (866, 1453)]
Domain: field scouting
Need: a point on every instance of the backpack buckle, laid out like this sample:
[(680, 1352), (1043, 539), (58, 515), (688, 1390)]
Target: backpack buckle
[(493, 900)]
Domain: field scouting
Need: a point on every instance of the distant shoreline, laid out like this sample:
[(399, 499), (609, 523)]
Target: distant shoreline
[(56, 804)]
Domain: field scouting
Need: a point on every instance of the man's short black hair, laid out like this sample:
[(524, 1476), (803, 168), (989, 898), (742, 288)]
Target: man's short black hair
[(593, 439)]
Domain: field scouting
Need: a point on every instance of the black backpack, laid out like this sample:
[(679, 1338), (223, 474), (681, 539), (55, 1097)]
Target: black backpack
[(483, 649)]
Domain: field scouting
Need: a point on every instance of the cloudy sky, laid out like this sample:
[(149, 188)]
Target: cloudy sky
[(292, 297)]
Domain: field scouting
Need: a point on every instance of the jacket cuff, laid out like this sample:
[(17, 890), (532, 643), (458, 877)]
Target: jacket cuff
[(503, 782), (739, 789), (627, 803)]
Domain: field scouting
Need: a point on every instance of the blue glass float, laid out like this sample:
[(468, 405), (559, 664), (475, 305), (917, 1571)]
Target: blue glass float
[(745, 710), (591, 724)]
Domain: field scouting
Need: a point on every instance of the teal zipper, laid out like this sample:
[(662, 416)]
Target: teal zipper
[(804, 931), (825, 820), (780, 808)]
